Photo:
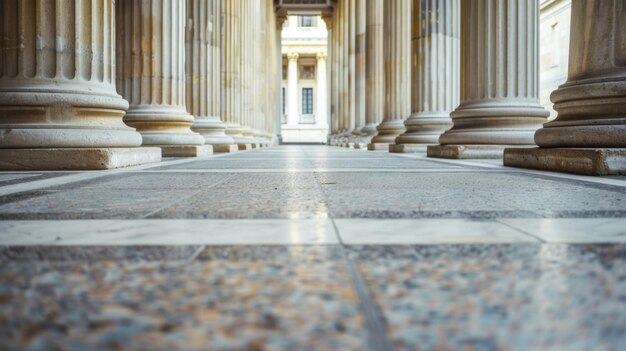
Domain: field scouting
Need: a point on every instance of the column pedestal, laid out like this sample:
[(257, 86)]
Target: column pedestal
[(589, 134)]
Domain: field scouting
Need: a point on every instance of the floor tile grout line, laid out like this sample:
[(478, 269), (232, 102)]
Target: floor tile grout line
[(195, 254), (376, 328), (498, 220)]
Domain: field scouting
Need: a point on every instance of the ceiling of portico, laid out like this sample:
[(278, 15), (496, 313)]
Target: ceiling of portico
[(304, 7)]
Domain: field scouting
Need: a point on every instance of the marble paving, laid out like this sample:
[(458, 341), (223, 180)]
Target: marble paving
[(312, 248)]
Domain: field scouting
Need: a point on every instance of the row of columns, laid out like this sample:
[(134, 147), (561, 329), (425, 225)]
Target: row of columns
[(97, 84), (465, 84)]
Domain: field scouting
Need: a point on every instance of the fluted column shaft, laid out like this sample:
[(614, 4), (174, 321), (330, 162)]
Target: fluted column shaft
[(292, 89), (499, 75), (321, 88), (231, 69), (374, 71), (57, 82), (435, 71), (151, 71), (202, 67), (359, 66), (397, 51)]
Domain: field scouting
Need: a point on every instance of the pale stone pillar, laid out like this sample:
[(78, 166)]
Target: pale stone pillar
[(292, 89), (397, 51), (359, 75), (351, 126), (58, 105), (203, 74), (280, 20), (374, 71), (435, 74), (151, 75), (499, 80), (589, 134), (231, 71), (322, 94)]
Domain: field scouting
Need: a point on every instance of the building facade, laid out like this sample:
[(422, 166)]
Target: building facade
[(304, 98)]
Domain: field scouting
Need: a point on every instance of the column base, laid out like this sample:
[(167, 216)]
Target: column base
[(466, 151), (76, 158), (225, 148), (360, 146), (407, 148), (378, 147), (244, 147), (187, 150), (585, 161)]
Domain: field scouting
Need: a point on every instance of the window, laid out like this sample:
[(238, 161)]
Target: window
[(307, 101), (283, 101), (307, 21)]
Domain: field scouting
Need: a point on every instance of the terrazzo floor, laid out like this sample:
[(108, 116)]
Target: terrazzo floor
[(312, 248)]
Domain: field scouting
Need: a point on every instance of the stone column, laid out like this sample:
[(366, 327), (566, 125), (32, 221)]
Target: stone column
[(397, 51), (292, 89), (435, 74), (359, 72), (231, 70), (374, 70), (589, 134), (499, 80), (351, 126), (151, 75), (58, 105), (280, 20), (322, 94), (203, 74)]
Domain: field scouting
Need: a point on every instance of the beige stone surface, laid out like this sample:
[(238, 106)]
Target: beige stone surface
[(226, 148), (77, 158), (187, 150), (465, 151), (408, 148), (378, 147), (586, 161)]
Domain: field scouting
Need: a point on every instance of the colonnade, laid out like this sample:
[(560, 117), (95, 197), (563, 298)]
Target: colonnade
[(461, 80), (98, 84)]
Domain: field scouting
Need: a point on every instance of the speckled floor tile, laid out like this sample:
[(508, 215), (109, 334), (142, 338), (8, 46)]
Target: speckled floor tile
[(499, 297), (261, 298)]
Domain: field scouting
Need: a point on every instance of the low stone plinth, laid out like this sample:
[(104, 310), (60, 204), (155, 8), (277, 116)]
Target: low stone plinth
[(407, 148), (187, 150), (378, 147), (466, 151), (77, 158), (244, 147), (360, 146), (584, 161), (225, 148)]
